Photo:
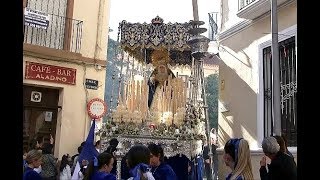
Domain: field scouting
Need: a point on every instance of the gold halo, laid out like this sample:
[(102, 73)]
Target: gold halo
[(160, 57)]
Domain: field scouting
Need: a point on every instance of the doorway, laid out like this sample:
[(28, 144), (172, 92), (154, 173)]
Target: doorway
[(40, 108)]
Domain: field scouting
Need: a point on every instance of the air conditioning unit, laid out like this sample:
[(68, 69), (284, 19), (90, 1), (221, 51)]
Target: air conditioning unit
[(36, 96)]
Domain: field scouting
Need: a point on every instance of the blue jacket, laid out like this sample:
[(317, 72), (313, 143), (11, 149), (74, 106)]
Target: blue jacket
[(98, 175), (30, 174), (163, 172)]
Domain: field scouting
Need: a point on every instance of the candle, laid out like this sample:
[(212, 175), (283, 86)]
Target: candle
[(128, 95), (142, 98), (133, 96), (146, 99), (138, 96)]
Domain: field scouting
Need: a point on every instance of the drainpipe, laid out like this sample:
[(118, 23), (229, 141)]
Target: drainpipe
[(275, 69), (98, 45)]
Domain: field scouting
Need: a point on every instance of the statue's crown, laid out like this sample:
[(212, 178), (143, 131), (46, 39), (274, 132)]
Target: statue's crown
[(157, 20)]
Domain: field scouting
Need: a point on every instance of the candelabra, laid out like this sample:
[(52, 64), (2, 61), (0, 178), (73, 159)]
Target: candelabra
[(199, 45), (118, 154)]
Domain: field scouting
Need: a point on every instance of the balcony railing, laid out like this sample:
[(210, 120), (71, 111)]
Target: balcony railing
[(62, 33), (243, 3), (251, 9)]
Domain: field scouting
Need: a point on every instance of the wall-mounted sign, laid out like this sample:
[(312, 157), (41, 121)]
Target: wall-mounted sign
[(35, 18), (91, 84), (36, 96), (45, 72), (97, 108), (48, 116)]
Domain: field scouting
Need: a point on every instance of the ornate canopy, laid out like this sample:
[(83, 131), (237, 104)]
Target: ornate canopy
[(140, 40)]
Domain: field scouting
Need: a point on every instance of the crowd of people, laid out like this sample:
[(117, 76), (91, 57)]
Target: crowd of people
[(148, 162), (237, 157)]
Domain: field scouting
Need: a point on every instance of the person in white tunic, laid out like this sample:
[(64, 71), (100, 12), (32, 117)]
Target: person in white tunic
[(65, 170)]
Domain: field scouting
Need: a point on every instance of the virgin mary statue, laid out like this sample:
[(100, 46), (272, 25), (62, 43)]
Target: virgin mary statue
[(161, 73)]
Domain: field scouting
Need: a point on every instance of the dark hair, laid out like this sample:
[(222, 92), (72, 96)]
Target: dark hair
[(103, 158), (138, 154), (47, 148), (64, 162), (110, 149), (114, 142), (97, 143), (40, 139), (80, 149), (281, 143), (83, 143), (156, 150), (32, 144), (231, 148)]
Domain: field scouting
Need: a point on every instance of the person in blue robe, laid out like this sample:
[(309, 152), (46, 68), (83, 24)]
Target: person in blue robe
[(182, 166), (124, 168), (138, 162), (237, 158), (113, 143), (160, 170), (100, 168), (34, 160)]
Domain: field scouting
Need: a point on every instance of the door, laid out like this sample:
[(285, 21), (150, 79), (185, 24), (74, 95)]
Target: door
[(40, 114)]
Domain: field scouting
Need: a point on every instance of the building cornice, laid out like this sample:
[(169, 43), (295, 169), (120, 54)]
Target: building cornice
[(235, 29), (250, 9), (246, 23), (59, 55)]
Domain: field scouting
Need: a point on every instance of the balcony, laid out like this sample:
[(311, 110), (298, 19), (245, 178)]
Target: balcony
[(62, 33), (251, 9)]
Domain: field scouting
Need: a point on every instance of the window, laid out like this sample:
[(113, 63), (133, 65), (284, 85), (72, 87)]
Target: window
[(53, 36), (62, 32), (288, 80)]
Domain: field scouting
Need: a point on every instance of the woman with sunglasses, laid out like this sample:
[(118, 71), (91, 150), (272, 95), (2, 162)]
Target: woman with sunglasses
[(237, 157)]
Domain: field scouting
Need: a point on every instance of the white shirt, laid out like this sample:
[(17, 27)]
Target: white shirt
[(38, 170), (147, 175), (66, 173)]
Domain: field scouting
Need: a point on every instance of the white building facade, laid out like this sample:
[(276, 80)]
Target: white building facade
[(245, 84)]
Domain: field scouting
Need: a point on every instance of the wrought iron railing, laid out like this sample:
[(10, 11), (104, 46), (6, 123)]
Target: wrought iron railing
[(62, 33), (288, 80), (213, 27), (243, 3)]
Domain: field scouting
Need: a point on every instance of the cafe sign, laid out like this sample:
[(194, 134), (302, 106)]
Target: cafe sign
[(45, 72)]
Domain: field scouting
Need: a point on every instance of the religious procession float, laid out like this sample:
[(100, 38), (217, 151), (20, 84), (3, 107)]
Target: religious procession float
[(154, 104)]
